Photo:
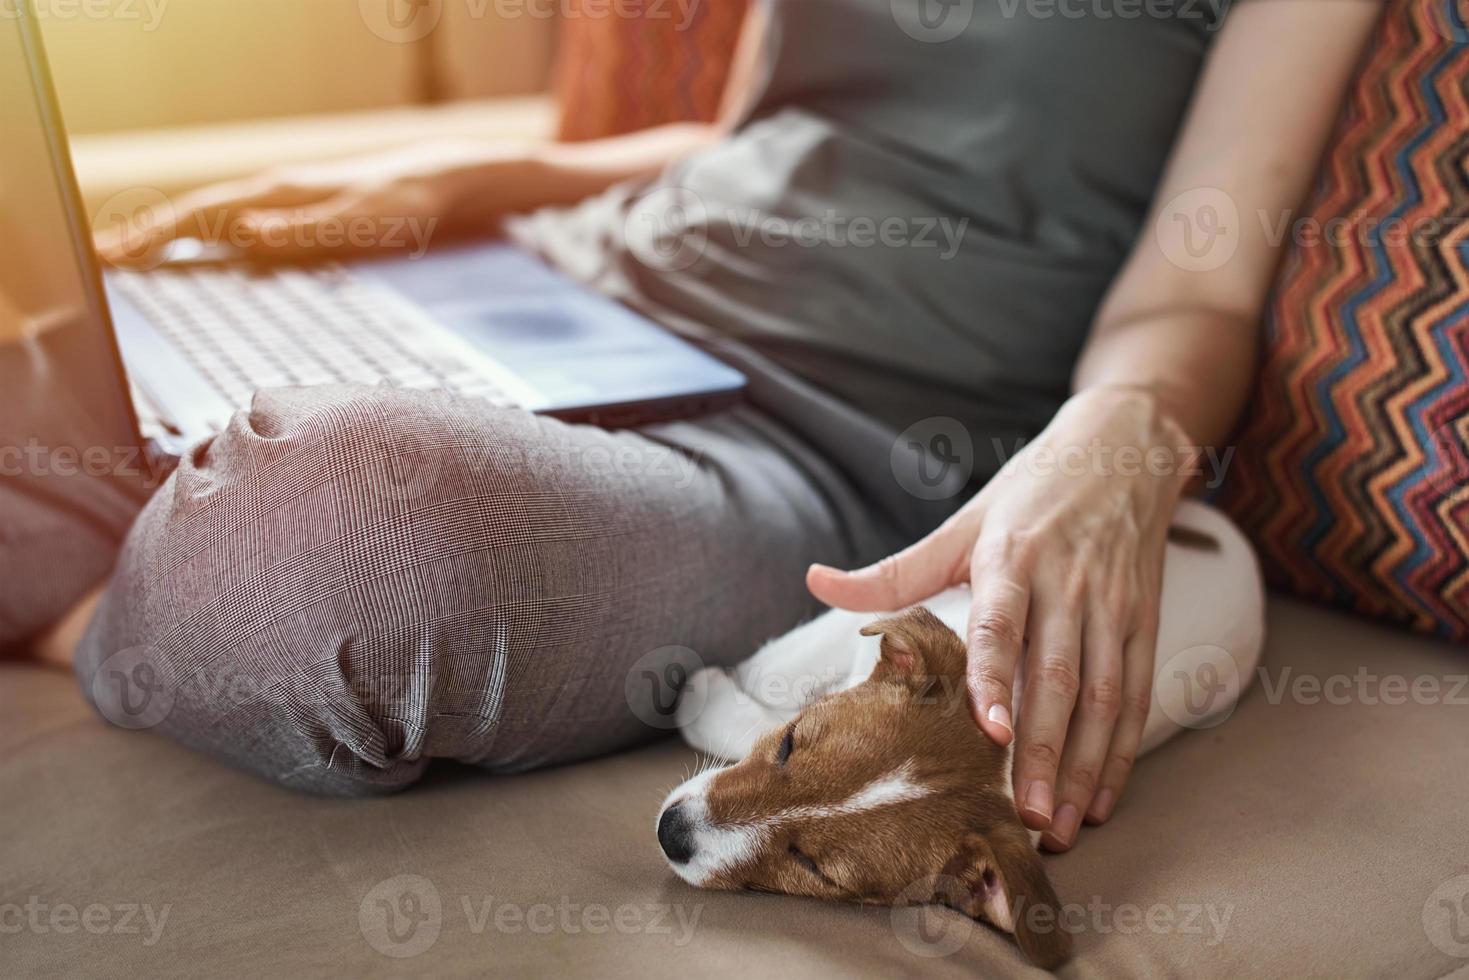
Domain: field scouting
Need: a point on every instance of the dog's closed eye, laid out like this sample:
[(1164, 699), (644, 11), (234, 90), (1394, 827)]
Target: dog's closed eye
[(783, 752)]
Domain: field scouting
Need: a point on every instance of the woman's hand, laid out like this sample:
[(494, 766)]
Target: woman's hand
[(386, 201), (1064, 552)]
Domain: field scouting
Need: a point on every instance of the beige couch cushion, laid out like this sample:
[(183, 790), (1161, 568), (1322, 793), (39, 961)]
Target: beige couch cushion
[(1327, 839)]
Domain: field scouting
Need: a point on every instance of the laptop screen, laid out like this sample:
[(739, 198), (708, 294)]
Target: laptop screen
[(58, 360)]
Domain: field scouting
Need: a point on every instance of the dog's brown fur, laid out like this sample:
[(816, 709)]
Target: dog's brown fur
[(962, 844)]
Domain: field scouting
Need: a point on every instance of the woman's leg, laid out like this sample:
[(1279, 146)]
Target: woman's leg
[(67, 495), (348, 582)]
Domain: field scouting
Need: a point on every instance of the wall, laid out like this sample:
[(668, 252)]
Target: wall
[(127, 64)]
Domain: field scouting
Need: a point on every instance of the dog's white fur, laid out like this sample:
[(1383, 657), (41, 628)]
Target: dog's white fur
[(1211, 629)]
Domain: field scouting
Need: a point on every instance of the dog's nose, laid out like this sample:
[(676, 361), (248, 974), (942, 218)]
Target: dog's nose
[(676, 834)]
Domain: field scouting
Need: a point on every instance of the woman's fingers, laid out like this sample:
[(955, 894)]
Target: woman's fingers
[(1052, 680), (995, 638), (1132, 718), (209, 214), (1093, 723), (918, 572), (344, 223)]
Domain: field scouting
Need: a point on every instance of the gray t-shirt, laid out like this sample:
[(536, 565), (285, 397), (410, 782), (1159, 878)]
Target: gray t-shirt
[(922, 208)]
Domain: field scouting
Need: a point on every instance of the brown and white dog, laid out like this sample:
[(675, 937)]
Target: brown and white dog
[(863, 777)]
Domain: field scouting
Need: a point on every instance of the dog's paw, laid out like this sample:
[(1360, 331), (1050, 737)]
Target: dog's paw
[(718, 718)]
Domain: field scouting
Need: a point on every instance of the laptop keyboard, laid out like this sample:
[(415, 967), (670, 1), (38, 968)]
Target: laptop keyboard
[(244, 331)]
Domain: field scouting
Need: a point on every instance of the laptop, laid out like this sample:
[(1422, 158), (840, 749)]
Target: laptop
[(172, 353)]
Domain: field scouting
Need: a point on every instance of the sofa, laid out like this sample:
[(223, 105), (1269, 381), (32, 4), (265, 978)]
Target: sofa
[(1318, 832)]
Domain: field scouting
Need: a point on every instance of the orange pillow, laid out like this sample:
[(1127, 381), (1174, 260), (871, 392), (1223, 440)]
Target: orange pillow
[(616, 73), (1353, 468)]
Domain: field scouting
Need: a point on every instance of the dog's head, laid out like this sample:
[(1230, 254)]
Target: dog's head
[(886, 793)]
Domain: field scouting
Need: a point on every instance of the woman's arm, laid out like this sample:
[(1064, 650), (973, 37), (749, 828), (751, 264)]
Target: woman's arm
[(1182, 318), (1066, 568), (286, 213)]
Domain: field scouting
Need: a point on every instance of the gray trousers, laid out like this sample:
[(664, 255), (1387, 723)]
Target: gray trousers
[(350, 582)]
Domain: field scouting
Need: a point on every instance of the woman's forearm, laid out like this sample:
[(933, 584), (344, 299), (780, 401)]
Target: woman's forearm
[(1197, 363), (483, 183), (1184, 324)]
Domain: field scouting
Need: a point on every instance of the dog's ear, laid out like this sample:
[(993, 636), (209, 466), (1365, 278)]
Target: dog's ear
[(1003, 882), (917, 646)]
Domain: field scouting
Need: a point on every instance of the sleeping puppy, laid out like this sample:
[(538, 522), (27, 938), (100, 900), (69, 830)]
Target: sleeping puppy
[(863, 777)]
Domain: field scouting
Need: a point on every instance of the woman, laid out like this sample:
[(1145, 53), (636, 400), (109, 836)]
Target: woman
[(504, 615)]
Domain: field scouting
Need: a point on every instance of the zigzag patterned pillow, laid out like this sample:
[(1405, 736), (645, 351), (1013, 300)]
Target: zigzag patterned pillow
[(625, 67), (1352, 474)]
